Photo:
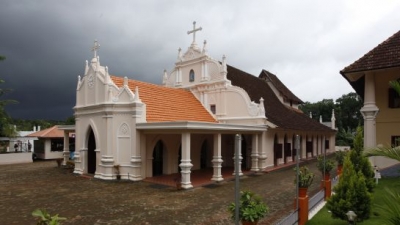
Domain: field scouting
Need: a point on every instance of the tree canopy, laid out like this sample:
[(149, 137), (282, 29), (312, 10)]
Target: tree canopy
[(347, 114), (5, 127)]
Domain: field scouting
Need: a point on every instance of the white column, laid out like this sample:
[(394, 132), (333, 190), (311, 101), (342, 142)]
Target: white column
[(217, 159), (264, 147), (369, 111), (303, 147), (186, 164), (66, 148), (254, 153), (240, 157), (136, 159)]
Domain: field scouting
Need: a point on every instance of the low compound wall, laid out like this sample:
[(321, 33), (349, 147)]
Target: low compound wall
[(14, 158)]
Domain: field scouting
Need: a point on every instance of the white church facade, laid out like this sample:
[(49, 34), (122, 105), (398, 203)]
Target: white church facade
[(189, 122)]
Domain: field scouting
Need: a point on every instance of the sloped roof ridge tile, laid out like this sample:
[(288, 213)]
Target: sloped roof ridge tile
[(385, 55), (275, 111), (280, 85)]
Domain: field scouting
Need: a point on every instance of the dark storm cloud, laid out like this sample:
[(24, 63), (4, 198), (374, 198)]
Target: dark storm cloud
[(47, 42), (46, 45)]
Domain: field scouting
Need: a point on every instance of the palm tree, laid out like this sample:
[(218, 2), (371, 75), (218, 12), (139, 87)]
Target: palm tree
[(389, 152)]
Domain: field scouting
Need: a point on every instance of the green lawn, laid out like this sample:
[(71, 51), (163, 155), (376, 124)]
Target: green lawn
[(324, 217)]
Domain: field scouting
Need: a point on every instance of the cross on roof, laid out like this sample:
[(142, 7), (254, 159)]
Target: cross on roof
[(194, 31), (95, 47)]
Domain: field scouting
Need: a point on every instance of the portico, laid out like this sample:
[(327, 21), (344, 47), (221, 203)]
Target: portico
[(195, 146)]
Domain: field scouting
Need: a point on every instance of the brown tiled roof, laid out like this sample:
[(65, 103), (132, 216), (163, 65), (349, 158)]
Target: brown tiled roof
[(52, 132), (385, 55), (275, 111), (268, 76), (164, 104)]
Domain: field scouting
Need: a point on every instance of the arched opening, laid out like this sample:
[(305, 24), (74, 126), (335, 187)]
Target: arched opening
[(179, 158), (158, 159), (91, 154), (191, 76), (203, 155), (294, 150), (286, 150), (244, 153), (277, 150)]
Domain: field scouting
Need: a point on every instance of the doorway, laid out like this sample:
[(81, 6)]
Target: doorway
[(158, 159), (91, 159)]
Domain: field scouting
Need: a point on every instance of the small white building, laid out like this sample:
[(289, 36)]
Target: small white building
[(49, 143)]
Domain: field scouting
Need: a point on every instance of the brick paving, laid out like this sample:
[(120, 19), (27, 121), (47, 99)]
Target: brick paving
[(86, 201)]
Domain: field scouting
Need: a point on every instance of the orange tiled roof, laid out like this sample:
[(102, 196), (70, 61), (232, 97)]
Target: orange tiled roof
[(164, 104), (52, 132)]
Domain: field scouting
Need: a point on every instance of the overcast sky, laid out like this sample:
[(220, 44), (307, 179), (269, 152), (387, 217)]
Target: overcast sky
[(305, 43)]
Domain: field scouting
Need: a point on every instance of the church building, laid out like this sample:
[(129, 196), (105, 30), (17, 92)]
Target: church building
[(189, 122)]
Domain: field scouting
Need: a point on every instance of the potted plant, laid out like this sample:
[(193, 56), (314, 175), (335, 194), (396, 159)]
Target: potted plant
[(251, 208), (306, 178), (116, 167), (339, 157), (325, 166)]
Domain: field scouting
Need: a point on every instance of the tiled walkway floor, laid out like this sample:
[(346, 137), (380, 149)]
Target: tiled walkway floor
[(197, 177), (203, 177)]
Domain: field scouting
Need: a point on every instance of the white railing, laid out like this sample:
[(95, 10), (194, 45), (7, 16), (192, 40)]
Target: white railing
[(291, 219), (316, 199)]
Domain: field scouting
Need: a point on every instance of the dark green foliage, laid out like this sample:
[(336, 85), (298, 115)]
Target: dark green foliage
[(361, 162), (252, 208), (329, 164), (306, 177), (390, 209), (339, 157), (347, 114), (5, 127), (351, 193)]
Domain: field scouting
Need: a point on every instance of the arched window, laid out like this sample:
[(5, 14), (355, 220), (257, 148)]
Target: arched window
[(191, 76)]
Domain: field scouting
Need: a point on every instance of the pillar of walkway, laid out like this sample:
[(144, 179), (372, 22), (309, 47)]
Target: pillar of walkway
[(217, 159), (303, 147), (254, 153), (66, 148), (186, 164), (240, 158), (263, 148)]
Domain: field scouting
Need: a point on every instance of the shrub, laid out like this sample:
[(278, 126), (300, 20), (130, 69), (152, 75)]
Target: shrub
[(351, 194), (251, 207), (361, 162)]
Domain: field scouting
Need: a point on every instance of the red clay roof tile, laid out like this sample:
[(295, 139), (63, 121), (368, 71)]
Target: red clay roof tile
[(165, 104)]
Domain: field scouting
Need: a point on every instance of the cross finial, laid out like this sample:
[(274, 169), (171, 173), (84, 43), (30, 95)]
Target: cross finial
[(194, 31), (95, 47)]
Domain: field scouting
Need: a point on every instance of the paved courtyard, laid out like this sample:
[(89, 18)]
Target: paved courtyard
[(85, 201)]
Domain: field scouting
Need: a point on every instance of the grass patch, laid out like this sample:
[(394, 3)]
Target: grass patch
[(324, 217)]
